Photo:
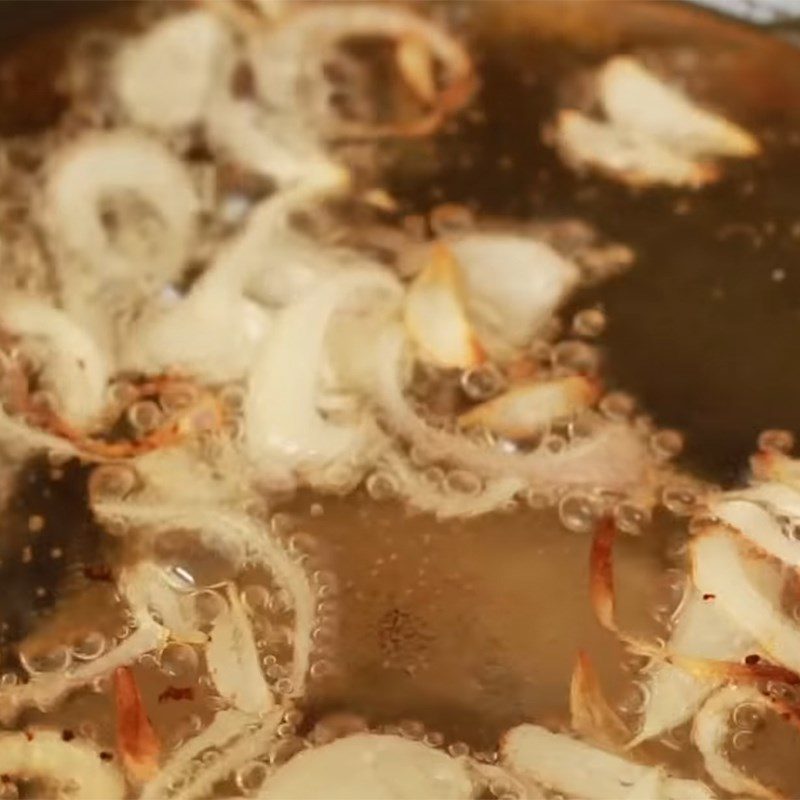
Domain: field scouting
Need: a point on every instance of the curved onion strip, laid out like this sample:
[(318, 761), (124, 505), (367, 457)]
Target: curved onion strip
[(601, 574), (282, 421), (760, 528), (237, 736), (242, 539), (370, 765), (435, 316), (778, 498), (98, 167), (164, 77), (523, 411), (20, 440), (45, 691), (591, 715), (512, 284), (773, 466), (637, 100), (445, 503), (137, 741), (634, 160), (233, 662), (613, 457), (674, 694), (721, 568), (75, 766), (283, 57), (578, 769), (74, 367), (710, 733)]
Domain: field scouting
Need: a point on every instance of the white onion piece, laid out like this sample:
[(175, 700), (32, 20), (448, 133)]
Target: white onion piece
[(613, 456), (578, 769), (760, 528), (282, 420), (777, 467), (286, 58), (74, 367), (74, 767), (435, 316), (233, 661), (238, 737), (369, 766), (524, 410), (447, 503), (164, 77), (19, 440), (710, 734), (725, 570), (240, 539), (636, 160), (702, 631), (513, 284), (778, 498), (45, 691), (124, 165), (649, 787), (635, 99)]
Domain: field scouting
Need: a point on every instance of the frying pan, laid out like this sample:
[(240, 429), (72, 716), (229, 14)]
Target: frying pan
[(703, 331)]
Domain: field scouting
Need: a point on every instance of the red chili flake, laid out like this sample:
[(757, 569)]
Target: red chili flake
[(752, 659), (176, 693), (709, 597), (106, 756), (67, 735)]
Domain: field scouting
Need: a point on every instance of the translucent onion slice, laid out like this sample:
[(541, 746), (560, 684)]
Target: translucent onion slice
[(612, 456), (513, 284), (151, 237), (710, 734), (760, 528), (73, 367), (634, 159), (635, 99), (417, 66), (524, 410), (164, 77), (74, 767), (136, 739), (435, 315), (578, 769), (725, 571), (282, 420), (778, 498), (233, 661), (701, 631), (236, 736), (370, 766)]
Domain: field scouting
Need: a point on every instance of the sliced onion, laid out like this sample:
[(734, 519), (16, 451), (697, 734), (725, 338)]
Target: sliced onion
[(635, 99), (760, 528), (578, 769), (75, 767), (74, 367), (636, 160), (591, 715), (241, 539), (724, 570), (234, 736), (702, 631), (773, 466), (613, 456), (122, 164), (601, 574), (369, 766), (136, 739), (435, 316), (710, 733), (282, 420), (164, 77), (513, 284), (778, 498), (233, 661), (522, 411)]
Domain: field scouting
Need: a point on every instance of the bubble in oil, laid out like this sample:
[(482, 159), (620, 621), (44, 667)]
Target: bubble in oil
[(112, 481), (56, 660), (145, 416), (177, 396), (256, 599), (251, 776), (577, 512), (776, 441), (742, 741), (590, 322), (617, 406), (381, 486), (576, 356), (463, 482), (90, 646), (666, 444), (179, 660), (482, 382), (208, 605), (679, 499), (631, 518)]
